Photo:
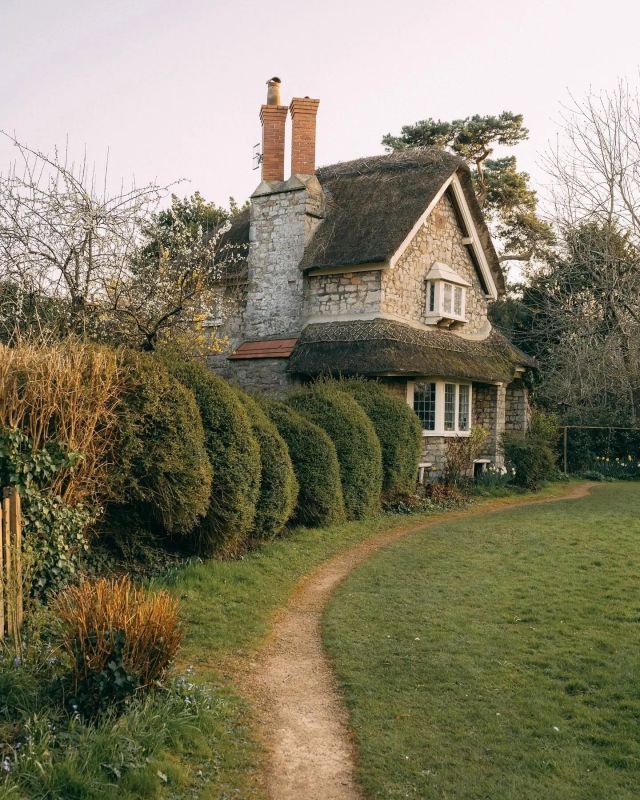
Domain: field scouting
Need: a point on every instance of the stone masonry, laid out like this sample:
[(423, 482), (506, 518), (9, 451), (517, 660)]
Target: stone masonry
[(489, 402), (439, 239), (401, 291), (517, 409), (283, 219)]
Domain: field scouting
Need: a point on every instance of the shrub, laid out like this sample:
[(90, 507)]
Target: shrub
[(356, 444), (278, 485), (593, 475), (461, 452), (66, 393), (235, 459), (398, 429), (161, 472), (530, 455), (445, 495), (315, 463), (531, 459), (54, 530), (119, 639)]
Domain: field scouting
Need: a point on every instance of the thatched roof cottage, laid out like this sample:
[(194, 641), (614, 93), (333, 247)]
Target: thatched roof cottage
[(381, 267)]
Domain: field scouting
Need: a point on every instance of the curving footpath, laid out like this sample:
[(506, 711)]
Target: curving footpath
[(300, 711)]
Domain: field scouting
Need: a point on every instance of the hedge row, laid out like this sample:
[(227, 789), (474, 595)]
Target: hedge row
[(200, 460)]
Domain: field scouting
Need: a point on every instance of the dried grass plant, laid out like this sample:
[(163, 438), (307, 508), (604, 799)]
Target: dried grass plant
[(93, 613), (66, 392)]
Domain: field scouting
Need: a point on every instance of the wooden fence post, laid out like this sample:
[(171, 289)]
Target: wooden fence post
[(11, 592)]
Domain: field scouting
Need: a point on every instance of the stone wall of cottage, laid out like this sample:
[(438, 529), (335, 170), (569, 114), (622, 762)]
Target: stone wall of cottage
[(489, 406), (266, 376), (403, 290), (517, 408), (342, 294), (281, 224)]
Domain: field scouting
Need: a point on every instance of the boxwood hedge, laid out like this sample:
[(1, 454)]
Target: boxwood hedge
[(161, 473), (355, 440), (398, 429), (234, 454), (278, 485), (315, 463)]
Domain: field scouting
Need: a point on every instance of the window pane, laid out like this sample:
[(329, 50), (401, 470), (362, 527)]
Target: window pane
[(457, 301), (463, 408), (449, 406), (431, 289), (446, 302), (424, 404)]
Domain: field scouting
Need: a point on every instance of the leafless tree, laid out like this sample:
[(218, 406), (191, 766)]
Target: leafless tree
[(75, 256), (591, 291)]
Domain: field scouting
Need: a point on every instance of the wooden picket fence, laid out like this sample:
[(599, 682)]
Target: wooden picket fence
[(11, 600)]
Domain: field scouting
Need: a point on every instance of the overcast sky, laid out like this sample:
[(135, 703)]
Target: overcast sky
[(173, 89)]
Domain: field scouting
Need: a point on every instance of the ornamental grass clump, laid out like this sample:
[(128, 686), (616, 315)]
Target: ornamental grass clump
[(119, 639), (65, 393)]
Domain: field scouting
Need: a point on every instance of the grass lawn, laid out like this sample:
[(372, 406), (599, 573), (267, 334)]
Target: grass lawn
[(499, 657), (228, 608)]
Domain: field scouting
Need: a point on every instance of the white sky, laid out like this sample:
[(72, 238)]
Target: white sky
[(173, 89)]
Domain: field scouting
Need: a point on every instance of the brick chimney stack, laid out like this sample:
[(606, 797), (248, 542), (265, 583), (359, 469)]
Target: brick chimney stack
[(303, 135), (273, 117)]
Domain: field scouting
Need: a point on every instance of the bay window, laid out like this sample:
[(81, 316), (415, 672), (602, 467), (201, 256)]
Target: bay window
[(446, 295), (443, 407)]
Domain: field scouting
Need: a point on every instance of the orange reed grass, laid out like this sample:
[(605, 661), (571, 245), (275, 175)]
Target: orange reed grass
[(93, 613), (65, 392)]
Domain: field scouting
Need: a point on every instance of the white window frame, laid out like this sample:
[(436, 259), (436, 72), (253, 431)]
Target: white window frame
[(439, 429)]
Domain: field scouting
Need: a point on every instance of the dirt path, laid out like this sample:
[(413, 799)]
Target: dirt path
[(305, 726)]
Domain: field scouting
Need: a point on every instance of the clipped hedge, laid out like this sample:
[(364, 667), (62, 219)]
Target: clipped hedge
[(355, 440), (316, 466), (398, 429), (278, 485), (234, 454), (161, 473)]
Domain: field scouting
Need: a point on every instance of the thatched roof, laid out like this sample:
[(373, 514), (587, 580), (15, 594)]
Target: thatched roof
[(373, 203), (386, 347)]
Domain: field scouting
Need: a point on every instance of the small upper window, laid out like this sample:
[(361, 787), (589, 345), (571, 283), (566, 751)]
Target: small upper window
[(446, 295)]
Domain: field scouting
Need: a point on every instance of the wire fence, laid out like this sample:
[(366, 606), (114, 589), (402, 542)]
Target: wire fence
[(611, 451)]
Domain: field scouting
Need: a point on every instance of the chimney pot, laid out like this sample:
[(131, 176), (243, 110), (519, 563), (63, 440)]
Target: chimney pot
[(273, 117), (273, 92)]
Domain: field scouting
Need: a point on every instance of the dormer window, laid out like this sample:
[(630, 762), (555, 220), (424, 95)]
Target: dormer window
[(446, 295)]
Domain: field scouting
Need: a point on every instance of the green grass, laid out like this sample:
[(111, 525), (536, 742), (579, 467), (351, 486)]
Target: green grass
[(163, 746), (228, 608), (498, 657)]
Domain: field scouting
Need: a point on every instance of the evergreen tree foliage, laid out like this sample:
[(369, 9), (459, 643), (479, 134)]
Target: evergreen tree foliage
[(397, 428), (315, 463), (235, 459), (503, 191), (355, 440), (278, 485), (161, 475)]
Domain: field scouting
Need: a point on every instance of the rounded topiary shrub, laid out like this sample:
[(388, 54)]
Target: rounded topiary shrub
[(161, 473), (278, 485), (398, 429), (235, 459), (355, 440), (315, 463)]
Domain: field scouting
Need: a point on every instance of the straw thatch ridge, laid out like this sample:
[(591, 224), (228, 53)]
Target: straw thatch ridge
[(371, 206), (386, 347)]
